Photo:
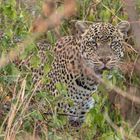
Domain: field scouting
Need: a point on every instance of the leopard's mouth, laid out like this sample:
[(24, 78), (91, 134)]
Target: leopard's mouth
[(99, 72)]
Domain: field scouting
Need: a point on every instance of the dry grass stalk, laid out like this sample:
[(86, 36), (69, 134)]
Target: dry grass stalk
[(10, 132), (48, 8), (123, 133), (17, 112), (42, 25)]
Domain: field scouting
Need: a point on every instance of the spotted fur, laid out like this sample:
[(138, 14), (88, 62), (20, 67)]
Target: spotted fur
[(100, 46)]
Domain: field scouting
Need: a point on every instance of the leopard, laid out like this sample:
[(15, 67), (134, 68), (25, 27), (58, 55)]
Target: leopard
[(98, 47)]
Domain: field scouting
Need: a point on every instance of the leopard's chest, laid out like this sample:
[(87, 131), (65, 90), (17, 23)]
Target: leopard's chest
[(81, 90)]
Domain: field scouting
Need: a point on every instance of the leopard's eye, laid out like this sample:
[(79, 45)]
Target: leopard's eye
[(92, 42)]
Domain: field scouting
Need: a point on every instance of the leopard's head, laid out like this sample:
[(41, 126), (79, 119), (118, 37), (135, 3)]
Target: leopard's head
[(101, 45)]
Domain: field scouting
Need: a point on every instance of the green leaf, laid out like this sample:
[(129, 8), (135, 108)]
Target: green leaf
[(36, 114)]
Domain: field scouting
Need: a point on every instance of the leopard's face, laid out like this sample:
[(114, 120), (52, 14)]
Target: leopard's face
[(102, 46)]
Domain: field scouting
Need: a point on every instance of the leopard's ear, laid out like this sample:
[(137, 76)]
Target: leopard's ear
[(81, 27), (123, 27)]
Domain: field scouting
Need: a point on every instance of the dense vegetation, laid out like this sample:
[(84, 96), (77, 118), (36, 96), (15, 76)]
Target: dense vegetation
[(25, 114)]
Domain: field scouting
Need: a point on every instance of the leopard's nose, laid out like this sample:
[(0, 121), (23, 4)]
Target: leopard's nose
[(104, 59)]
